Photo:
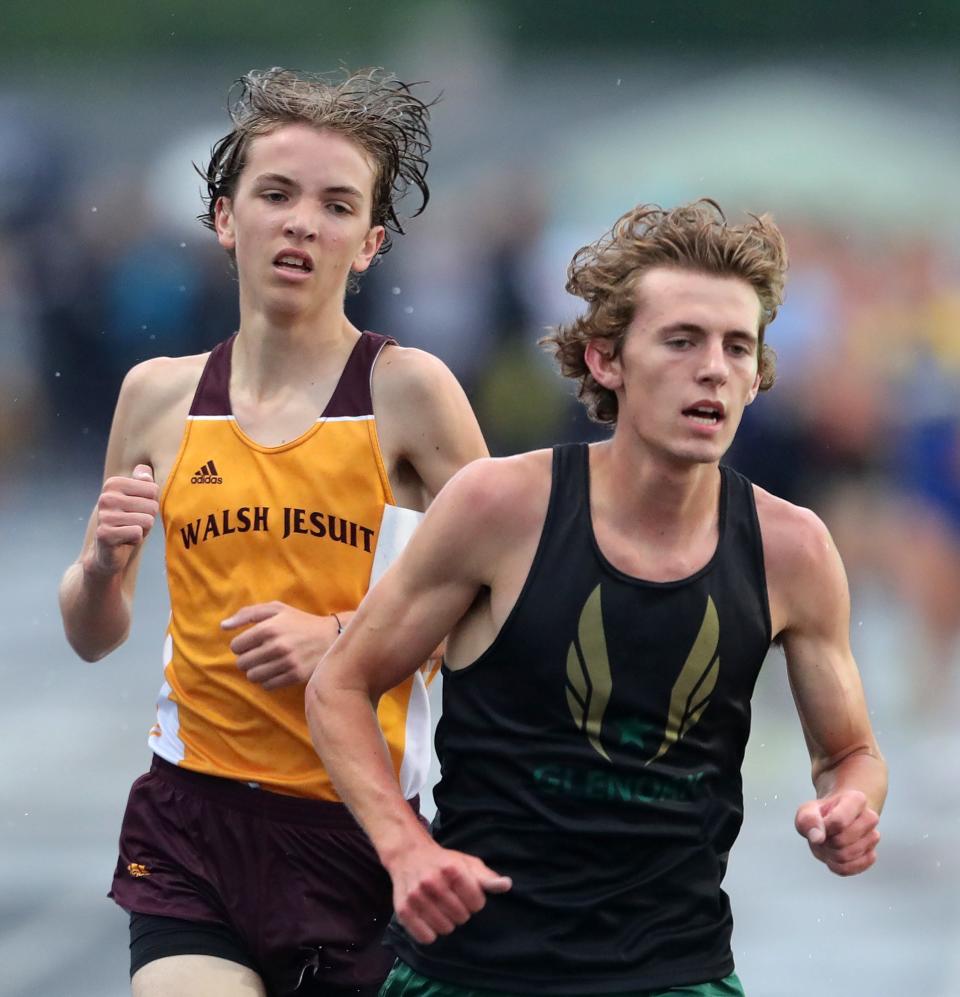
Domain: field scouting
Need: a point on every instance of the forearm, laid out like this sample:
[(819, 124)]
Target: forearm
[(863, 770), (95, 611), (346, 735)]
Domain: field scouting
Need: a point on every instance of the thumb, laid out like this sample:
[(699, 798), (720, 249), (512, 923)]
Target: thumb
[(251, 614), (809, 823), (492, 882), (144, 472)]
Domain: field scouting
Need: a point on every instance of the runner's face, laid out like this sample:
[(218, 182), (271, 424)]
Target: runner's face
[(299, 219), (688, 366)]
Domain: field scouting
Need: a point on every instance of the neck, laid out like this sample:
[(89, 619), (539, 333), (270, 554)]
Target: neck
[(275, 350), (669, 499)]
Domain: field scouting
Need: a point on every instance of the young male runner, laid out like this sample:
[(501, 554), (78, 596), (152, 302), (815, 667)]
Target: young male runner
[(609, 609), (283, 464)]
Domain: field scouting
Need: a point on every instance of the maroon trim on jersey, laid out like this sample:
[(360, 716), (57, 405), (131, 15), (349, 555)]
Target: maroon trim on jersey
[(212, 396), (351, 397)]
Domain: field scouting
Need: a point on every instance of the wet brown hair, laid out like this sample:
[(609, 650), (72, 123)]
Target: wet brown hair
[(371, 107), (694, 237)]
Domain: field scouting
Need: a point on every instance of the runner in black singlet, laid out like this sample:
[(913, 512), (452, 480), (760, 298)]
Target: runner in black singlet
[(610, 608)]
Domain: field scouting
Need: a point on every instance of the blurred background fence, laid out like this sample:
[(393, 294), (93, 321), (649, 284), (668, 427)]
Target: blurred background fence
[(841, 119)]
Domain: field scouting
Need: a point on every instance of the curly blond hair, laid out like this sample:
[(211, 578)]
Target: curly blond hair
[(693, 237), (371, 107)]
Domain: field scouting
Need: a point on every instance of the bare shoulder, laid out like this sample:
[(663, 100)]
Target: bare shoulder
[(426, 427), (151, 410), (805, 575), (409, 377), (505, 494), (792, 535), (155, 385)]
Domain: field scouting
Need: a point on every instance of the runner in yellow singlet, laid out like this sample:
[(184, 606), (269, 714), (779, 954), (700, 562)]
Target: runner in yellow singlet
[(287, 466)]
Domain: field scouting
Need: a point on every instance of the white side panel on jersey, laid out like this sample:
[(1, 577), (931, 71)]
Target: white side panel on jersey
[(396, 529), (166, 743), (416, 749)]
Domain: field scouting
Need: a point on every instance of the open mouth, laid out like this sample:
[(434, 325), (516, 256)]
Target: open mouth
[(705, 415), (293, 262)]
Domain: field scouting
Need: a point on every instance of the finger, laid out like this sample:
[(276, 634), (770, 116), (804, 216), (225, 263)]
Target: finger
[(121, 501), (467, 888), (446, 901), (282, 682), (417, 927), (859, 829), (264, 673), (496, 884), (855, 867), (255, 656), (130, 486), (115, 519), (854, 851), (843, 811), (256, 613), (144, 472), (421, 905), (117, 536), (809, 823)]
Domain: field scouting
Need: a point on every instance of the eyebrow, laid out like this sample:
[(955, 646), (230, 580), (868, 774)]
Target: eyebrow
[(343, 189), (699, 329)]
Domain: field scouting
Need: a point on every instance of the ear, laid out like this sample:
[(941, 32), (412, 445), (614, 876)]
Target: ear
[(223, 219), (602, 364), (371, 243), (755, 389)]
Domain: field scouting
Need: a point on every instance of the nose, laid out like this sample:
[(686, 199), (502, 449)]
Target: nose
[(299, 226), (714, 368)]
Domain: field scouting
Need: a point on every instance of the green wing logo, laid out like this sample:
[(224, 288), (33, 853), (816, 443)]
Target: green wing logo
[(695, 683), (589, 683)]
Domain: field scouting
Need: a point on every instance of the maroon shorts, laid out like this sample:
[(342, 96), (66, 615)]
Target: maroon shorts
[(297, 880)]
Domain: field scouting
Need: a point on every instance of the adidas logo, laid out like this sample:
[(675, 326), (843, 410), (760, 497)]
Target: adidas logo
[(207, 475)]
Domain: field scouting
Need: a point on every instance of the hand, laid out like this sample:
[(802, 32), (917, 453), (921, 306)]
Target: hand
[(126, 511), (841, 830), (435, 889), (283, 646)]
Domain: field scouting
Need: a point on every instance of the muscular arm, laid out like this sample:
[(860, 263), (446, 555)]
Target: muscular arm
[(398, 624), (849, 773)]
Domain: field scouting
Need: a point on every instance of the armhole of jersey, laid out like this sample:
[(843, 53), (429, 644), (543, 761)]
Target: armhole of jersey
[(548, 522), (375, 438), (184, 438), (759, 558)]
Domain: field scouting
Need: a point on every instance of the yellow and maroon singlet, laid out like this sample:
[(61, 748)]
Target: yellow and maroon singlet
[(300, 523)]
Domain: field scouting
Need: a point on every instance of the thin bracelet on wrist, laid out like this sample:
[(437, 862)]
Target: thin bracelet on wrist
[(339, 624)]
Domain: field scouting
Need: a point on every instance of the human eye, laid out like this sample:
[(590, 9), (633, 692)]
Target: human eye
[(339, 208), (274, 196), (679, 342), (739, 349)]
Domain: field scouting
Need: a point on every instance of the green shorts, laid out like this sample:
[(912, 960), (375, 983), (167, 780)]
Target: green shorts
[(404, 982)]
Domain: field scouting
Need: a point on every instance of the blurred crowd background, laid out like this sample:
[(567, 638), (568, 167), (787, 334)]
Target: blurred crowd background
[(839, 119)]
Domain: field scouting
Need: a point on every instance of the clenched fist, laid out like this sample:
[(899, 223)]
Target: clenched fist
[(126, 511), (841, 830)]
